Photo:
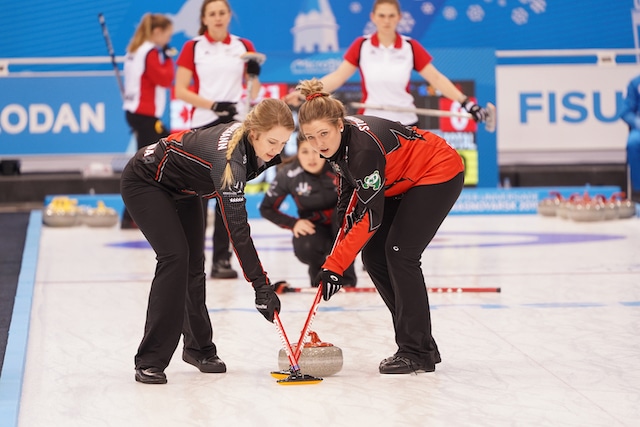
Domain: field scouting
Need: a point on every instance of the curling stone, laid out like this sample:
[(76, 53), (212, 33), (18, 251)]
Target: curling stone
[(566, 205), (626, 208), (587, 210), (61, 212), (318, 359), (549, 205), (101, 216), (610, 207)]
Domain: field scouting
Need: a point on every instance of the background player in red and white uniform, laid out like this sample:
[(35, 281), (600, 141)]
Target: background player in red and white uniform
[(311, 183), (211, 70), (148, 72), (210, 77), (385, 60), (397, 185), (162, 186)]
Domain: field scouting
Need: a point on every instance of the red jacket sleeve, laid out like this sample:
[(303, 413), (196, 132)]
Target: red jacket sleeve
[(185, 59), (421, 58), (160, 73), (352, 55)]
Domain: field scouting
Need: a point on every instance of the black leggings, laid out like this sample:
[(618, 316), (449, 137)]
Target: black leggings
[(175, 231), (392, 259), (221, 241)]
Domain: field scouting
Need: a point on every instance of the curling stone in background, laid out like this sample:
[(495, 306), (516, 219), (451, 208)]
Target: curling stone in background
[(318, 359), (101, 216), (587, 209), (549, 205), (610, 207), (566, 205), (626, 208), (61, 212)]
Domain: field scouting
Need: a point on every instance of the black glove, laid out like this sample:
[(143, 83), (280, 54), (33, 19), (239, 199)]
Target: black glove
[(478, 113), (331, 283), (253, 68), (224, 109), (267, 302)]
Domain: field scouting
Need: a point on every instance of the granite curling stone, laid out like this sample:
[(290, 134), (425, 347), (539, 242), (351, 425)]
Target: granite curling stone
[(101, 216), (318, 359), (61, 212)]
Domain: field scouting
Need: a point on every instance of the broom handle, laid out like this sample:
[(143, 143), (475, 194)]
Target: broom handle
[(287, 345), (307, 325)]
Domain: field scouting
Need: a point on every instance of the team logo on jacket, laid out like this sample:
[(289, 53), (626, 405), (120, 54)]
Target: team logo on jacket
[(372, 181), (303, 189)]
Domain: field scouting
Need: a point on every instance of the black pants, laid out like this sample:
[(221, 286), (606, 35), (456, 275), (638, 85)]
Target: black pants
[(175, 231), (147, 130), (392, 259), (221, 242), (313, 249)]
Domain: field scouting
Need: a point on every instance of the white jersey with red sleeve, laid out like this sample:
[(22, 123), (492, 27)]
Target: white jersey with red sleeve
[(147, 75), (218, 71), (386, 72)]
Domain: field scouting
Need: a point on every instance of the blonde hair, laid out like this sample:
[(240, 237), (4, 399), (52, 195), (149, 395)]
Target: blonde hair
[(320, 105), (205, 3), (148, 23), (266, 115)]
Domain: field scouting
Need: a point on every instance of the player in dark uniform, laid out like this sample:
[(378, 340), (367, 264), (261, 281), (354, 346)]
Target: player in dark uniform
[(397, 185), (162, 186), (311, 182)]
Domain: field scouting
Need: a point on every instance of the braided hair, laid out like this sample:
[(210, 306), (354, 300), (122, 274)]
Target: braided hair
[(266, 115)]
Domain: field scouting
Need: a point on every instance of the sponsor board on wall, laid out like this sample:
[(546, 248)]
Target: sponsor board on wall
[(567, 112), (61, 115)]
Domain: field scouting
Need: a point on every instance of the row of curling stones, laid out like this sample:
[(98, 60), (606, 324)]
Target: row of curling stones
[(584, 208), (63, 211), (318, 359)]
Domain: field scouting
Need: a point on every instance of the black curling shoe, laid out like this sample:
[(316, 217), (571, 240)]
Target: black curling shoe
[(222, 270), (209, 365), (150, 376), (403, 365)]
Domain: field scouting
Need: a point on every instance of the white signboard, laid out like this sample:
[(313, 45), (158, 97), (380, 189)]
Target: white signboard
[(561, 113)]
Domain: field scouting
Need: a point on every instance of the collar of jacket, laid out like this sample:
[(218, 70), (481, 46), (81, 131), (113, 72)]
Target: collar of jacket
[(344, 143)]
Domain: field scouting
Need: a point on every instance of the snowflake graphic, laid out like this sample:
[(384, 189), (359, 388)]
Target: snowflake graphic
[(538, 6), (355, 7), (475, 13), (427, 8), (520, 16), (450, 13)]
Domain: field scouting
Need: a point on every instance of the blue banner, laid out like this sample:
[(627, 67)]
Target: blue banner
[(61, 115)]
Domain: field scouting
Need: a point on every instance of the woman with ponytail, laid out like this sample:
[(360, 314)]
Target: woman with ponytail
[(162, 187), (397, 185), (148, 73)]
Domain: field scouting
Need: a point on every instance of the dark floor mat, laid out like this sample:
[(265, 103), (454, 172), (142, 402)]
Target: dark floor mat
[(13, 231)]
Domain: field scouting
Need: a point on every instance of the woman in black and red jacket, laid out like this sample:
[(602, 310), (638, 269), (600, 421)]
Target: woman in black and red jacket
[(397, 184), (162, 187)]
